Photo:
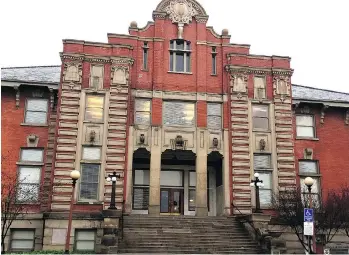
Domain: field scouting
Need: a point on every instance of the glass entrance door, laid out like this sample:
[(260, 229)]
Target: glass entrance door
[(171, 201)]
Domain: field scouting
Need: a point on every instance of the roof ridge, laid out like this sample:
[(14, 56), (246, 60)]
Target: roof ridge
[(340, 92), (14, 67)]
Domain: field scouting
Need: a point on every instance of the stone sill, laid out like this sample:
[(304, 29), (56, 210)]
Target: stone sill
[(89, 203), (26, 163), (187, 73), (308, 138), (34, 125)]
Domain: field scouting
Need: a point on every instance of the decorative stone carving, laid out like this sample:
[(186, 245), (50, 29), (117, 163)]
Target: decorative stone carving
[(120, 75), (17, 95), (178, 143), (142, 139), (239, 82), (72, 71), (215, 142), (37, 93), (347, 117), (181, 11), (262, 144), (322, 113), (308, 153), (32, 140), (281, 85), (92, 136)]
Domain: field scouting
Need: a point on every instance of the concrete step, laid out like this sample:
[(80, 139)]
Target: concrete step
[(189, 250)]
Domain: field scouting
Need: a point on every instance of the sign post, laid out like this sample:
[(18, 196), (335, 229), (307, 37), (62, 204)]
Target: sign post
[(309, 224)]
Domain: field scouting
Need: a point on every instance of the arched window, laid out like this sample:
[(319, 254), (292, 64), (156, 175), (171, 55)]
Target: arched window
[(180, 56)]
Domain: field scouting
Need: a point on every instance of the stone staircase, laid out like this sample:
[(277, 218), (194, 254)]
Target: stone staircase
[(185, 234)]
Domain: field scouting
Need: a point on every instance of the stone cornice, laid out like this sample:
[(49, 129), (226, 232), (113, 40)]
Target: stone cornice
[(17, 83), (98, 44), (297, 101), (257, 70), (257, 56), (97, 59)]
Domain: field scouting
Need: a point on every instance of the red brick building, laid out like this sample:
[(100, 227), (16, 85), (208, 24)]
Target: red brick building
[(182, 114)]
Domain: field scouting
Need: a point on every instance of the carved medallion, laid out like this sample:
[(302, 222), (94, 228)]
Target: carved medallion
[(72, 71), (239, 82), (282, 85), (119, 75), (181, 11)]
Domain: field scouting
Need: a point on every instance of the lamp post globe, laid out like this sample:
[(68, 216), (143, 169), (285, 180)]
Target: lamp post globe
[(256, 175), (75, 174), (309, 181)]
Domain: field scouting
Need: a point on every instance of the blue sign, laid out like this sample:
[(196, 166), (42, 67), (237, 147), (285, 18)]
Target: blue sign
[(308, 215)]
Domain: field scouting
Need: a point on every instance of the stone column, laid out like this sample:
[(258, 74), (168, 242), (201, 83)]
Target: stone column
[(129, 184), (201, 173), (155, 170)]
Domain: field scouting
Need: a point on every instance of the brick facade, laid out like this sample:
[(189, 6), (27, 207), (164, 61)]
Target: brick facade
[(123, 80)]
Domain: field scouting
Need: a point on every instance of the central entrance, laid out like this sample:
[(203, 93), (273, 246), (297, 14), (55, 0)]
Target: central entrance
[(171, 201)]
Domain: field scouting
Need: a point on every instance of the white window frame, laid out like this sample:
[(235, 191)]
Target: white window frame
[(26, 110), (315, 176), (313, 126), (220, 115), (145, 56), (92, 76), (214, 60), (266, 170), (186, 54), (143, 111), (256, 90), (98, 183), (12, 230), (86, 107), (76, 239), (268, 117), (178, 125)]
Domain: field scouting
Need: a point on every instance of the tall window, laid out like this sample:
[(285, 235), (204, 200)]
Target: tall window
[(214, 60), (263, 166), (145, 56), (179, 113), (180, 56), (192, 194), (142, 111), (85, 239), (96, 79), (36, 111), (310, 168), (259, 87), (214, 116), (141, 189), (305, 126), (89, 181), (22, 239), (260, 117), (31, 161), (94, 108)]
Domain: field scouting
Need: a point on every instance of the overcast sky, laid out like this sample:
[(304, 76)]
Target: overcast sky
[(314, 33)]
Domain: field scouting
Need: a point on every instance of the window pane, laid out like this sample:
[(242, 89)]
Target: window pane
[(180, 45), (262, 161), (145, 59), (260, 111), (37, 105), (187, 58), (214, 109), (180, 62), (140, 198), (95, 101), (35, 117), (85, 245), (89, 181), (308, 167), (179, 113), (305, 121), (91, 153), (23, 244), (187, 47), (31, 155), (95, 114), (192, 203), (192, 179), (265, 197), (305, 131), (171, 178), (213, 64), (261, 123), (142, 118), (171, 61), (85, 235), (142, 105), (172, 44), (29, 174), (22, 234), (142, 177), (97, 71), (214, 122), (266, 178), (28, 193)]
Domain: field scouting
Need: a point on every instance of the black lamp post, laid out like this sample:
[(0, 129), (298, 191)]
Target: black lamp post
[(113, 177), (309, 183), (257, 183)]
